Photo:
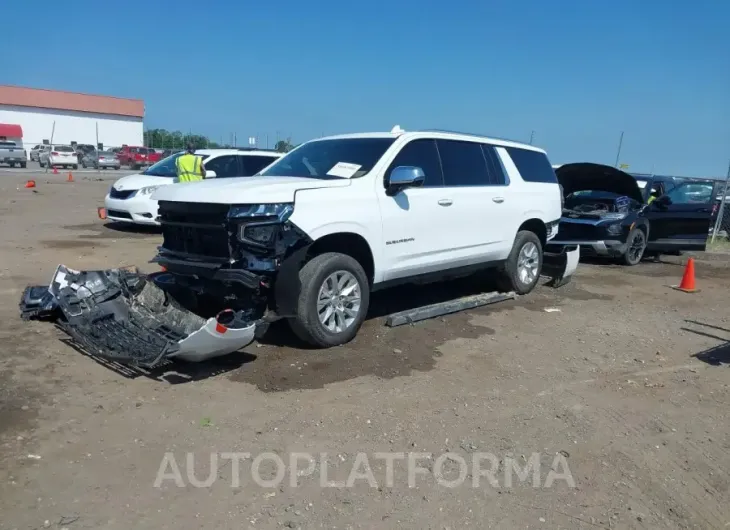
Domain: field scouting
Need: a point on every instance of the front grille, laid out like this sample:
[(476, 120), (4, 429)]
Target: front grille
[(195, 228), (117, 194), (118, 214), (578, 232)]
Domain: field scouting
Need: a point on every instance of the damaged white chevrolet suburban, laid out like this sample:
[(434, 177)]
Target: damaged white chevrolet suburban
[(336, 218), (312, 235)]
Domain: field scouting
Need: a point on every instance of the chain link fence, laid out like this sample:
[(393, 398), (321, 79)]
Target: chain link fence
[(720, 229)]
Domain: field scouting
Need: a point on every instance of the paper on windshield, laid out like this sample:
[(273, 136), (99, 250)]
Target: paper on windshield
[(641, 183), (344, 170)]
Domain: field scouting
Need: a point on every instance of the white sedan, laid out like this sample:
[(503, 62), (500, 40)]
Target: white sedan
[(58, 156), (129, 199)]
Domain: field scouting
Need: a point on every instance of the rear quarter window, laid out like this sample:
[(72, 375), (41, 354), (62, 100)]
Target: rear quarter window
[(533, 166)]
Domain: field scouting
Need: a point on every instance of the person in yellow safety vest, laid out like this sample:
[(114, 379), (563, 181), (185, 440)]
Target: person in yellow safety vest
[(189, 167)]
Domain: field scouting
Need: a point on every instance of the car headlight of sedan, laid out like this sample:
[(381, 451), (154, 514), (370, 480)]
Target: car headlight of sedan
[(259, 224), (148, 190)]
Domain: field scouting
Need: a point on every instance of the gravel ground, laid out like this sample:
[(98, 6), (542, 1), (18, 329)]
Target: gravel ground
[(616, 382)]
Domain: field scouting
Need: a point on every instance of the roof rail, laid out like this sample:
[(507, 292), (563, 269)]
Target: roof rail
[(476, 135), (255, 149)]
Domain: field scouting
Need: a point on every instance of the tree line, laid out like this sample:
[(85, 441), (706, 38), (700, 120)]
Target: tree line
[(164, 139)]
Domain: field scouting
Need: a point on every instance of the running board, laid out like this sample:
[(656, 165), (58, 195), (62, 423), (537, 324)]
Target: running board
[(445, 308), (559, 265)]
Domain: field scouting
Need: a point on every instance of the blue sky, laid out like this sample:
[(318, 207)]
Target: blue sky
[(576, 72)]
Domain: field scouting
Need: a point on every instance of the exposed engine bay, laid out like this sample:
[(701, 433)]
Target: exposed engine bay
[(597, 204)]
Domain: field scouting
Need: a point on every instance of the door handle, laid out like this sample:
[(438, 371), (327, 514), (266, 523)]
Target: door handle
[(498, 199), (446, 202)]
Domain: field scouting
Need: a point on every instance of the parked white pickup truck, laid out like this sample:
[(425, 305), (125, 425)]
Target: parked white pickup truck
[(11, 153)]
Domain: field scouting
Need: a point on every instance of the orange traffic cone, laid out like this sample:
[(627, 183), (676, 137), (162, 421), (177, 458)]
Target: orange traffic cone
[(70, 177), (101, 212), (30, 184), (688, 279), (55, 170)]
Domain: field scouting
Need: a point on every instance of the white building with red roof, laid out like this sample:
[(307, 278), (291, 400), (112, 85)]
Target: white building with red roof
[(78, 118)]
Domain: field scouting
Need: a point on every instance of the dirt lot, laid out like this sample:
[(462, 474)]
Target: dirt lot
[(627, 384)]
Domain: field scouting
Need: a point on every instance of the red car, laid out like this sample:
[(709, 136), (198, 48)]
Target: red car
[(137, 157)]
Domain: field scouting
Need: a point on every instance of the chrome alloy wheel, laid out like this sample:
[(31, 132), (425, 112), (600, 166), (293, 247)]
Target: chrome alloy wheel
[(338, 302), (527, 263)]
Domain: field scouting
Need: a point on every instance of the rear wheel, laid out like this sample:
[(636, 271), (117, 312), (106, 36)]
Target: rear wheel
[(23, 165), (76, 166), (11, 164), (333, 300), (524, 264), (636, 247)]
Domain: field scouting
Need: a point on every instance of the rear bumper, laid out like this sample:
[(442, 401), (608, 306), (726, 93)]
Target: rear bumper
[(123, 316), (139, 209), (560, 262), (71, 161)]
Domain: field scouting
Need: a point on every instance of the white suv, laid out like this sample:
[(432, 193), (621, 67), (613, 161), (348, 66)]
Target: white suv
[(129, 199), (336, 218)]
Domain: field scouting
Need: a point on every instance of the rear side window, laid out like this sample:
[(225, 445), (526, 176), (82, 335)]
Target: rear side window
[(497, 176), (533, 166), (254, 164), (423, 154), (463, 163)]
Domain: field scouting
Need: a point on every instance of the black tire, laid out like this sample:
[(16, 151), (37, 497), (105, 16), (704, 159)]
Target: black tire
[(306, 324), (76, 166), (510, 279), (23, 165), (636, 246), (11, 164)]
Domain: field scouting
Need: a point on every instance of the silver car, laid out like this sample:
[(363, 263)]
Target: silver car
[(100, 160)]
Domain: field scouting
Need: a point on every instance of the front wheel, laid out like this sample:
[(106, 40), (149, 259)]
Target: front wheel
[(333, 300), (636, 247), (23, 165), (523, 266)]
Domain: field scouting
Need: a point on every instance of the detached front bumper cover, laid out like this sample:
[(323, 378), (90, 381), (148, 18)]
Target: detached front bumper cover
[(124, 316)]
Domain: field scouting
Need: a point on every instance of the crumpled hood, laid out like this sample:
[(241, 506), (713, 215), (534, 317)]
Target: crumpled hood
[(243, 190), (139, 181), (597, 177)]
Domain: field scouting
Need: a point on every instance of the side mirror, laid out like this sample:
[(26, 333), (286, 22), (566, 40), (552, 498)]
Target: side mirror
[(210, 174), (403, 177)]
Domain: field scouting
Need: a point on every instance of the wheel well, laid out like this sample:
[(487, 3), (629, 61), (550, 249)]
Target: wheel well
[(353, 245), (537, 227)]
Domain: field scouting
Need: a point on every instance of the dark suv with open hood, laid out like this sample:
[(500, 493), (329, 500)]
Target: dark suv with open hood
[(608, 213)]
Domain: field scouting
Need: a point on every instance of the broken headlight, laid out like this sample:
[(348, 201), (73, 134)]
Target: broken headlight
[(265, 212), (614, 229), (258, 224)]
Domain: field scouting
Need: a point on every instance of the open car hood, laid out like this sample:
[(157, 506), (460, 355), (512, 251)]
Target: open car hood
[(586, 176)]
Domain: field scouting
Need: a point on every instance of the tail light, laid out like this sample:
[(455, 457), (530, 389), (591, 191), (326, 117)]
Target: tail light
[(54, 153)]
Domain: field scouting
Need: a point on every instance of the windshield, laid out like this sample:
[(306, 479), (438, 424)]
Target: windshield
[(166, 166), (331, 159), (63, 149), (7, 144)]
